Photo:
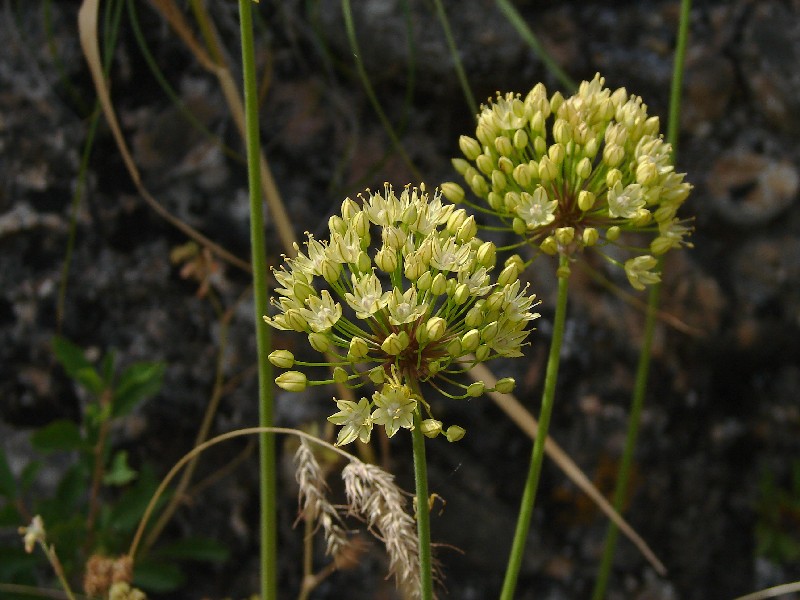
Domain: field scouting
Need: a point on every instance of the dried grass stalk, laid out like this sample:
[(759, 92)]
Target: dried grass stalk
[(314, 503), (372, 493)]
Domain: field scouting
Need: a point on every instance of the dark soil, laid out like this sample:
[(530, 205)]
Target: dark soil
[(722, 413)]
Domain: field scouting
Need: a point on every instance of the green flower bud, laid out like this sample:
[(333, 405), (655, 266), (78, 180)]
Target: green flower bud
[(394, 343), (613, 155), (467, 230), (505, 385), (489, 332), (360, 224), (456, 219), (377, 375), (358, 348), (295, 320), (439, 285), (475, 389), (292, 381), (565, 235), (591, 148), (470, 340), (283, 359), (584, 168), (435, 328), (520, 139), (539, 146), (562, 131), (504, 145), (430, 428), (537, 123), (454, 433), (612, 233), (548, 170), (349, 209), (453, 192), (469, 147), (331, 270), (302, 291), (486, 254), (499, 182), (434, 366), (386, 260), (549, 246), (508, 275), (319, 341), (515, 259), (337, 225), (363, 263), (590, 236), (340, 376), (474, 317), (454, 348), (556, 153), (646, 171), (460, 165), (495, 200), (424, 282), (482, 353), (518, 226), (411, 214), (585, 200), (521, 175), (461, 294), (485, 164), (613, 177)]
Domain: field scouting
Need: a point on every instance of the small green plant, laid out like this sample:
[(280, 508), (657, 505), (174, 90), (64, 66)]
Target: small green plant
[(778, 526), (99, 498)]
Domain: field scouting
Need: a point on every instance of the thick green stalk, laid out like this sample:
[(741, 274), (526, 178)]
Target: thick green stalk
[(268, 520), (537, 456), (423, 510), (643, 367)]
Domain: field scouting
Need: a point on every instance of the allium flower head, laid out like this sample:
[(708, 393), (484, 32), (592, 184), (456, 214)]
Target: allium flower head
[(399, 293), (580, 172)]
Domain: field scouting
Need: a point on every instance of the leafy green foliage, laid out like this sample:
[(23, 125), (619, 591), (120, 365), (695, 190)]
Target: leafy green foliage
[(778, 526)]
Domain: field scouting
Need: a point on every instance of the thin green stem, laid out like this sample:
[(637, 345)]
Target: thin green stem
[(423, 510), (537, 456), (268, 529), (526, 34), (643, 367), (451, 45)]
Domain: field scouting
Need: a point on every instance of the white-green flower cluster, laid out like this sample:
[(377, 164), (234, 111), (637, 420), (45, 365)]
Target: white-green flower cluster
[(578, 172), (400, 293)]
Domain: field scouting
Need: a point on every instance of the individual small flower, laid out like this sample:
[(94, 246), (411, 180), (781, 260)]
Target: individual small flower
[(400, 293), (33, 534), (640, 271), (576, 173), (355, 420)]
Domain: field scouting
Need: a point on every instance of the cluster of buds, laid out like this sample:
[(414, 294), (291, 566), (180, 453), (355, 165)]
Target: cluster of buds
[(400, 293), (575, 173)]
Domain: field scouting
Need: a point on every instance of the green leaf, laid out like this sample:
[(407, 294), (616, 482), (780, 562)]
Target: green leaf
[(137, 383), (8, 485), (127, 511), (194, 548), (119, 473), (69, 355), (28, 475), (58, 435), (157, 577), (90, 379), (107, 366)]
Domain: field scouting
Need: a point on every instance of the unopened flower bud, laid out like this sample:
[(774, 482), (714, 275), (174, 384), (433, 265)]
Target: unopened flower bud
[(613, 177), (549, 246), (456, 219), (505, 385), (499, 182), (518, 226), (585, 200), (485, 164), (340, 376), (454, 433), (508, 275), (460, 165), (584, 168), (482, 353), (590, 236), (435, 328), (430, 428), (453, 192), (613, 155), (612, 233), (469, 147), (495, 200), (461, 294), (520, 139), (467, 230), (434, 366), (486, 254), (424, 281), (646, 172), (470, 340), (556, 153), (562, 131), (283, 359), (319, 341), (504, 145), (548, 170), (363, 263), (474, 317), (360, 223), (377, 375), (454, 348), (349, 209), (337, 225), (475, 389), (439, 285), (565, 235), (358, 348), (292, 381), (386, 260)]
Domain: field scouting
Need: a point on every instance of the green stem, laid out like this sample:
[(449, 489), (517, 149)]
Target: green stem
[(537, 456), (451, 45), (268, 529), (643, 367), (423, 510)]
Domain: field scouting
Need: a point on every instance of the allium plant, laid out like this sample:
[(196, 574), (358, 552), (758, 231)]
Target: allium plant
[(400, 293), (578, 173), (589, 172), (405, 296)]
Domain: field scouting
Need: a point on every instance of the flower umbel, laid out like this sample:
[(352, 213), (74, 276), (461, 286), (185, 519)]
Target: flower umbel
[(400, 292), (575, 173)]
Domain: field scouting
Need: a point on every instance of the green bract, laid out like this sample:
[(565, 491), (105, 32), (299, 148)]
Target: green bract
[(576, 173), (400, 292)]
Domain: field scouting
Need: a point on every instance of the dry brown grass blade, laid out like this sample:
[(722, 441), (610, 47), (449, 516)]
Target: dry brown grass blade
[(235, 103), (525, 421), (87, 28), (773, 592)]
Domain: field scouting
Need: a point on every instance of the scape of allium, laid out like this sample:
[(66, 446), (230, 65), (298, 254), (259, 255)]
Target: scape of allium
[(400, 293), (575, 173)]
